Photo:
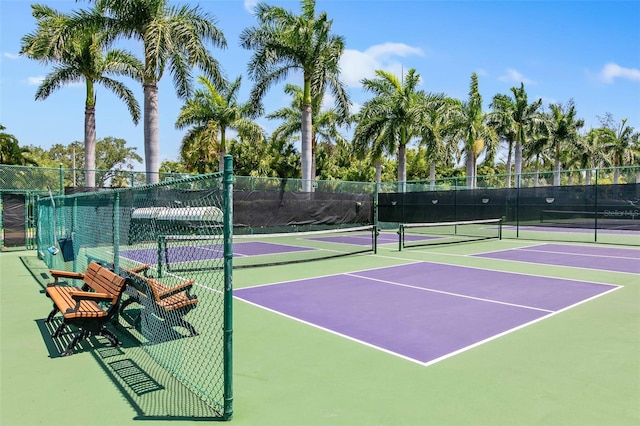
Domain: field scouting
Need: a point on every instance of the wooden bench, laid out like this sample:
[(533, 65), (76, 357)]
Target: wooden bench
[(167, 303), (90, 307)]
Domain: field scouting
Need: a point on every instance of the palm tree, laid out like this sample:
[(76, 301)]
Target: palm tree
[(501, 119), (621, 143), (526, 119), (212, 110), (80, 55), (391, 118), (563, 132), (437, 128), (476, 136), (11, 152), (324, 127), (586, 154), (284, 43), (174, 37)]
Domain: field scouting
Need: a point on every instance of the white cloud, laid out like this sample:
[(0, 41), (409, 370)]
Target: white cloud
[(10, 55), (35, 81), (514, 76), (356, 65), (611, 71), (249, 5)]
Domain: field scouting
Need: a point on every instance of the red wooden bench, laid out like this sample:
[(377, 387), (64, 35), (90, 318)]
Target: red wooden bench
[(90, 307)]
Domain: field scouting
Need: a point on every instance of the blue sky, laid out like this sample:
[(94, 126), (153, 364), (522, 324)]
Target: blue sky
[(585, 50)]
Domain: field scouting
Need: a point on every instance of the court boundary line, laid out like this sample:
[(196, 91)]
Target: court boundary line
[(464, 296), (328, 330), (574, 254), (521, 326), (510, 272), (558, 266)]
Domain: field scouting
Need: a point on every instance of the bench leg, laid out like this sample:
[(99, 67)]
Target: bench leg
[(59, 330), (126, 303), (52, 314), (83, 334)]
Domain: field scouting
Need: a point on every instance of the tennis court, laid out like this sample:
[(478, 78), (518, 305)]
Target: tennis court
[(442, 309), (589, 257), (397, 337)]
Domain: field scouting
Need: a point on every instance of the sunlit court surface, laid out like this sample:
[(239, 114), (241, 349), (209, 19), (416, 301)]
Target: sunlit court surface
[(409, 334)]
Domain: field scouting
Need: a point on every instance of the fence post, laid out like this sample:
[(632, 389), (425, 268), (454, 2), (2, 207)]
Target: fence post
[(228, 284), (116, 232), (61, 180)]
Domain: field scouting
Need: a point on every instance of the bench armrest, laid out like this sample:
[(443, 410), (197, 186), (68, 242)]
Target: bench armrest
[(139, 268), (88, 295), (185, 286), (64, 274)]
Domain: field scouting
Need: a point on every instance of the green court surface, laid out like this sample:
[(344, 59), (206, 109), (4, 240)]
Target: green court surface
[(579, 366)]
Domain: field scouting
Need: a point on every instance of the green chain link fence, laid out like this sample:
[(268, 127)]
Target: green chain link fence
[(182, 319)]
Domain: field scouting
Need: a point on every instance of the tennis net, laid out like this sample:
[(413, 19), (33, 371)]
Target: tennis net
[(177, 253), (434, 233)]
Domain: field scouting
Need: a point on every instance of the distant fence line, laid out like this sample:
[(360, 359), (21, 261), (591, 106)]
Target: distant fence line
[(36, 180)]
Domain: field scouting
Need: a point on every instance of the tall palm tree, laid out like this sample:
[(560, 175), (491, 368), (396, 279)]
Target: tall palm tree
[(586, 154), (437, 130), (285, 43), (391, 118), (527, 119), (501, 119), (82, 54), (621, 143), (324, 123), (476, 136), (174, 38), (563, 132), (211, 111)]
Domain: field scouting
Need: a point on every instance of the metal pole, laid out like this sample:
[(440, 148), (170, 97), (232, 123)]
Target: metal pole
[(116, 232), (228, 285)]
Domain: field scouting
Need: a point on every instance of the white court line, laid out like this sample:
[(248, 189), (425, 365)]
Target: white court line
[(575, 254), (521, 326), (448, 293), (508, 272)]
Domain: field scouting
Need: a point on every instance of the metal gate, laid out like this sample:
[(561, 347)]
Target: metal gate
[(17, 220)]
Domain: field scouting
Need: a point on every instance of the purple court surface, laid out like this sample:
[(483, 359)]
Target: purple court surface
[(424, 312), (209, 251), (592, 257)]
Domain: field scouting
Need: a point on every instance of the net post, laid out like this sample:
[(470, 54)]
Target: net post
[(400, 236), (228, 284), (375, 219)]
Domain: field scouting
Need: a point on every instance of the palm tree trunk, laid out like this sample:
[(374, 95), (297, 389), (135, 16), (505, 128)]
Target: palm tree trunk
[(222, 151), (402, 167), (432, 174), (518, 161), (470, 168), (89, 146), (509, 151), (556, 167), (151, 133), (306, 151), (378, 170)]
